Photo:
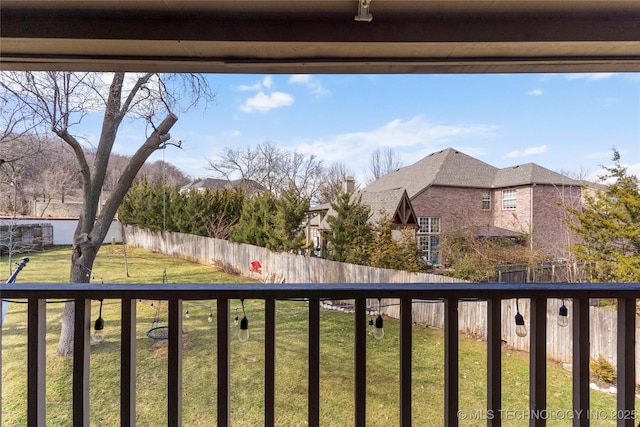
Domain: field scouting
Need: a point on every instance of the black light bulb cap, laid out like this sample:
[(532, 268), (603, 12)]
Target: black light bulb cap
[(519, 319), (370, 322), (379, 322), (244, 323), (99, 325), (563, 311)]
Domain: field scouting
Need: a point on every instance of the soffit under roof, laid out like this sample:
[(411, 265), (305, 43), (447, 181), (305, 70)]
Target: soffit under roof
[(316, 36)]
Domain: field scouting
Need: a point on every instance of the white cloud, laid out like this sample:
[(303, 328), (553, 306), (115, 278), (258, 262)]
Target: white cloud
[(300, 78), (535, 92), (600, 155), (529, 151), (262, 102), (632, 169), (253, 87), (590, 76), (312, 83), (266, 83), (412, 139)]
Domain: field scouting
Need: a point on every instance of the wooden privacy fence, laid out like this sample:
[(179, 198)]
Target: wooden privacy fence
[(294, 268), (472, 317), (549, 272)]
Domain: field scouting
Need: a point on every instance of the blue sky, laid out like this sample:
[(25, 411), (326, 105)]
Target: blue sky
[(564, 122)]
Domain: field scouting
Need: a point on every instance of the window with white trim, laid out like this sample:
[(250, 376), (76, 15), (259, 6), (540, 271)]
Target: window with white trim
[(486, 201), (509, 199), (428, 224), (430, 246), (428, 237)]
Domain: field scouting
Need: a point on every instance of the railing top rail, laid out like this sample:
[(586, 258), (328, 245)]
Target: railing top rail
[(323, 290)]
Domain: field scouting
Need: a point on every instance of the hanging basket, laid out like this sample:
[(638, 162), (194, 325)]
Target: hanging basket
[(158, 333)]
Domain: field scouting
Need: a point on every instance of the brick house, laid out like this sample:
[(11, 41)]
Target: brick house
[(450, 191), (391, 203)]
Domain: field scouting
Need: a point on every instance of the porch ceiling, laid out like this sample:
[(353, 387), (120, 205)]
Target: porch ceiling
[(318, 36)]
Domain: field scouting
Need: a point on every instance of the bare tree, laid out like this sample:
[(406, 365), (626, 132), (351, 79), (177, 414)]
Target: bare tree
[(383, 162), (61, 100), (163, 172), (571, 198), (56, 175), (233, 164), (275, 168), (18, 168), (333, 180)]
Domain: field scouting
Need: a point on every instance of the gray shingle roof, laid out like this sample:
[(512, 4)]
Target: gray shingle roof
[(530, 173), (384, 202), (448, 167), (493, 231), (452, 168)]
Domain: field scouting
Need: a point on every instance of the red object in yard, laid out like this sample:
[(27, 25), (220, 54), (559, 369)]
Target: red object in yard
[(256, 266)]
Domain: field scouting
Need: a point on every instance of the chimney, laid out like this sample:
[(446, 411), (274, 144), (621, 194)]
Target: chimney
[(349, 184)]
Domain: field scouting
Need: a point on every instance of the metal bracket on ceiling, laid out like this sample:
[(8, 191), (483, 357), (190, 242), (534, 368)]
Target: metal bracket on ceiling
[(363, 11)]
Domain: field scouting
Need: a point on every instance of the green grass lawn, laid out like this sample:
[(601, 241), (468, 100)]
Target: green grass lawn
[(247, 364)]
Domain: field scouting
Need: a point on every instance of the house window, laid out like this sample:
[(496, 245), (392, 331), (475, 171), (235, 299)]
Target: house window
[(428, 224), (486, 201), (428, 240), (430, 247), (509, 199)]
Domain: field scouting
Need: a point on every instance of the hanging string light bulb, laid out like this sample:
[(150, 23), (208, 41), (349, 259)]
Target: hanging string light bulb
[(98, 327), (237, 319), (210, 318), (243, 335), (378, 332), (563, 316), (371, 325), (521, 329), (186, 313)]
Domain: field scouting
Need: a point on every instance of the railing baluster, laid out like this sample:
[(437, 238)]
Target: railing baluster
[(406, 318), (82, 295), (360, 362), (538, 362), (451, 362), (128, 363), (626, 372), (581, 352), (269, 361), (314, 362), (494, 361), (174, 360), (81, 352), (222, 314), (36, 374)]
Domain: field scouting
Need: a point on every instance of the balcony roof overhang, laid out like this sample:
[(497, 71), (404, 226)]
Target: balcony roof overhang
[(319, 36)]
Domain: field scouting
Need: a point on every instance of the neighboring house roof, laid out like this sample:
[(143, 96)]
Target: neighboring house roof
[(320, 208), (250, 186), (448, 167), (489, 231), (394, 203), (452, 168), (530, 173)]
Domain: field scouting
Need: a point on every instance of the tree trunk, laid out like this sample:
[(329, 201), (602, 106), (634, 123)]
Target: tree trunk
[(82, 258), (91, 231)]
